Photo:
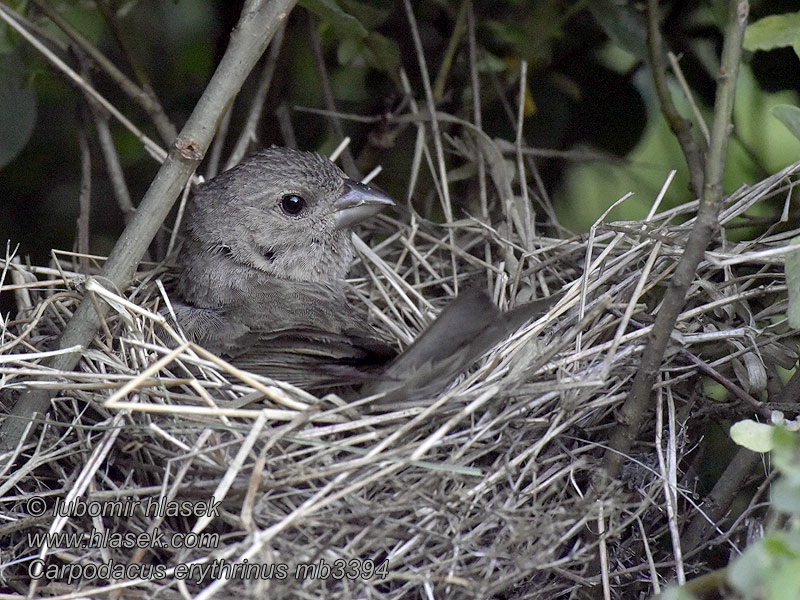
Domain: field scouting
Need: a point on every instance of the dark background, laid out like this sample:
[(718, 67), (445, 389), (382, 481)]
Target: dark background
[(588, 93)]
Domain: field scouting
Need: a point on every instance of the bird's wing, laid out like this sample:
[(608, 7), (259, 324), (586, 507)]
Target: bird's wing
[(463, 332), (313, 359)]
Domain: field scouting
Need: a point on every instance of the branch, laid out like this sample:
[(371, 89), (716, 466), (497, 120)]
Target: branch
[(682, 128), (257, 24), (248, 133), (144, 97), (636, 406), (348, 162)]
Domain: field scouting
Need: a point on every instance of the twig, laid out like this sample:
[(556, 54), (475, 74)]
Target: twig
[(636, 406), (478, 117), (107, 147), (257, 24), (528, 231), (215, 152), (285, 125), (436, 133), (450, 52), (111, 160), (681, 127), (10, 17), (85, 200), (348, 162), (698, 116), (668, 470), (257, 108), (143, 96)]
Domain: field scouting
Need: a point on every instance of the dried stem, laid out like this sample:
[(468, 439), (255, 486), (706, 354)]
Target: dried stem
[(705, 226), (682, 128), (144, 97), (348, 162)]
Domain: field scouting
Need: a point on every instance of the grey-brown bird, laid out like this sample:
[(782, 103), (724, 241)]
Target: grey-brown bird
[(262, 282)]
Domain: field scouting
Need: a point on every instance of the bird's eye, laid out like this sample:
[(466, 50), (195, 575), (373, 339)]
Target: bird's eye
[(292, 204)]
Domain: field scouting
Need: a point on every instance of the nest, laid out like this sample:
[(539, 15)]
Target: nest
[(189, 478)]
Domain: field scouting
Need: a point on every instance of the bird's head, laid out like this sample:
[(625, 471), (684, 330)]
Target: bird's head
[(284, 212)]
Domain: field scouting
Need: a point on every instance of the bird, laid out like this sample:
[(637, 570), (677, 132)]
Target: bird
[(262, 279)]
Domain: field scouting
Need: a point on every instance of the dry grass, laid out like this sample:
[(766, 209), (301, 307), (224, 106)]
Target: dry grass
[(483, 491)]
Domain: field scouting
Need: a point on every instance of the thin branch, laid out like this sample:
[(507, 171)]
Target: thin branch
[(215, 152), (682, 128), (452, 45), (13, 21), (348, 162), (718, 502), (687, 91), (526, 217), (107, 11), (257, 108), (478, 118), (107, 148), (144, 97), (285, 125), (636, 406), (436, 133), (257, 24), (84, 200)]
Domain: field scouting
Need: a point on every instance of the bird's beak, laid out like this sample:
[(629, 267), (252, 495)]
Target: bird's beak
[(357, 202)]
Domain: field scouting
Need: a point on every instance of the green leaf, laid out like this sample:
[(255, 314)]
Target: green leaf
[(674, 592), (774, 31), (490, 63), (746, 573), (384, 53), (752, 435), (785, 496), (786, 454), (17, 107), (796, 44), (792, 271), (342, 23), (348, 49), (624, 25), (349, 84), (370, 14), (784, 582), (788, 115)]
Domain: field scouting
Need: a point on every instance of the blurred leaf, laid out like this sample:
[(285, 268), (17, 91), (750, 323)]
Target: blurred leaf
[(786, 454), (792, 269), (383, 54), (745, 574), (752, 435), (774, 31), (778, 545), (371, 15), (785, 583), (768, 569), (349, 84), (348, 49), (506, 33), (624, 25), (790, 116), (490, 63), (17, 107), (785, 496), (329, 11), (677, 593)]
